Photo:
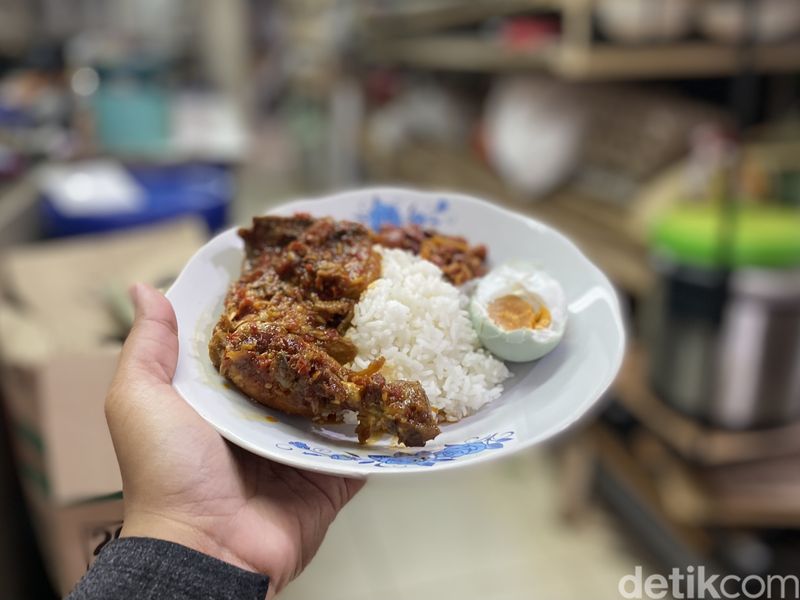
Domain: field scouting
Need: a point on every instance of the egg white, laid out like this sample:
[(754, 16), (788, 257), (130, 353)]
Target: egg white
[(536, 287)]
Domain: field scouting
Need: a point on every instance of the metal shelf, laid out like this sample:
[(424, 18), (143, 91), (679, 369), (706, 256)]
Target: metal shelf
[(411, 34), (455, 53), (427, 16), (579, 62), (686, 59)]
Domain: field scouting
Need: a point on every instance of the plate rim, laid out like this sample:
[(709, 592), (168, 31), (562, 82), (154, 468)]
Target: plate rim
[(588, 407)]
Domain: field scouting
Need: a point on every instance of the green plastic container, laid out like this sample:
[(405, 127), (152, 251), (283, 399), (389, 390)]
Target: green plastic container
[(751, 236), (722, 323)]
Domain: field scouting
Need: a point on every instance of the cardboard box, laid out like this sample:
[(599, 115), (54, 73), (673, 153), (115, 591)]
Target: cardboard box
[(59, 433), (59, 345), (59, 342), (70, 536)]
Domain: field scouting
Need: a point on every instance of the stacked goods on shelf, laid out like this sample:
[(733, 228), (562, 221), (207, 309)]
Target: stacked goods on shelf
[(644, 39)]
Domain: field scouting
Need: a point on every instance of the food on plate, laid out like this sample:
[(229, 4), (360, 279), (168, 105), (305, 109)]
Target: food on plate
[(519, 312), (335, 323), (459, 261), (280, 338), (416, 320)]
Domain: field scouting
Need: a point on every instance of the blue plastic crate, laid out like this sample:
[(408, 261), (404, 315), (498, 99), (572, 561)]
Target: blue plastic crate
[(170, 191)]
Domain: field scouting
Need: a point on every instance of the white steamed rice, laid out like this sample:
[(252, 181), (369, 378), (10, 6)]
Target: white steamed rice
[(419, 323)]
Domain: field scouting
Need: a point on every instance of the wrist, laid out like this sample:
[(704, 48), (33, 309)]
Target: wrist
[(170, 529)]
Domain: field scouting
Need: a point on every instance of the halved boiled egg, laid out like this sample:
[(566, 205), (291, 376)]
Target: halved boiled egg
[(519, 312)]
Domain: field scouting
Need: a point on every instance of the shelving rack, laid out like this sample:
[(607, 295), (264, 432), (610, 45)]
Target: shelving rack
[(656, 479), (407, 35)]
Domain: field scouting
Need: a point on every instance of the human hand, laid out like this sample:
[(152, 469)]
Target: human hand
[(183, 483)]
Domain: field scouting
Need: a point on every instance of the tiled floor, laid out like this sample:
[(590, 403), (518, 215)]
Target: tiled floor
[(489, 532)]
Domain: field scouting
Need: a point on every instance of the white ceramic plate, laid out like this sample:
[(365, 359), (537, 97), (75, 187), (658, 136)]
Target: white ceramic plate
[(541, 400)]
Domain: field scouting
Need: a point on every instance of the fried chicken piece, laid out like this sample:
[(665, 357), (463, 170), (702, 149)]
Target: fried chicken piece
[(280, 338), (459, 261), (287, 373), (399, 407)]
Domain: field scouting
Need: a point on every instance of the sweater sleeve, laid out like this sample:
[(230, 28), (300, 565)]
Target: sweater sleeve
[(152, 569)]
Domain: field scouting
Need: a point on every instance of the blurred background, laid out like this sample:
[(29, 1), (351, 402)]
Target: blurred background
[(663, 136)]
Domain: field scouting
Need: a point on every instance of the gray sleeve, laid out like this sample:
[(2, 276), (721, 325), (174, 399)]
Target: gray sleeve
[(150, 569)]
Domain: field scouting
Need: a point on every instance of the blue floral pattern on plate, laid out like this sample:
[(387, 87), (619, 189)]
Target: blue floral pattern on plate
[(380, 212), (423, 458)]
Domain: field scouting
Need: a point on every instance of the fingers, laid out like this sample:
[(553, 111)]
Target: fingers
[(150, 353)]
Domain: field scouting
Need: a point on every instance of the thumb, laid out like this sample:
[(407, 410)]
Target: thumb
[(150, 353)]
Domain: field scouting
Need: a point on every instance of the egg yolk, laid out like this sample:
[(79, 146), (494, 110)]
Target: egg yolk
[(512, 312)]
